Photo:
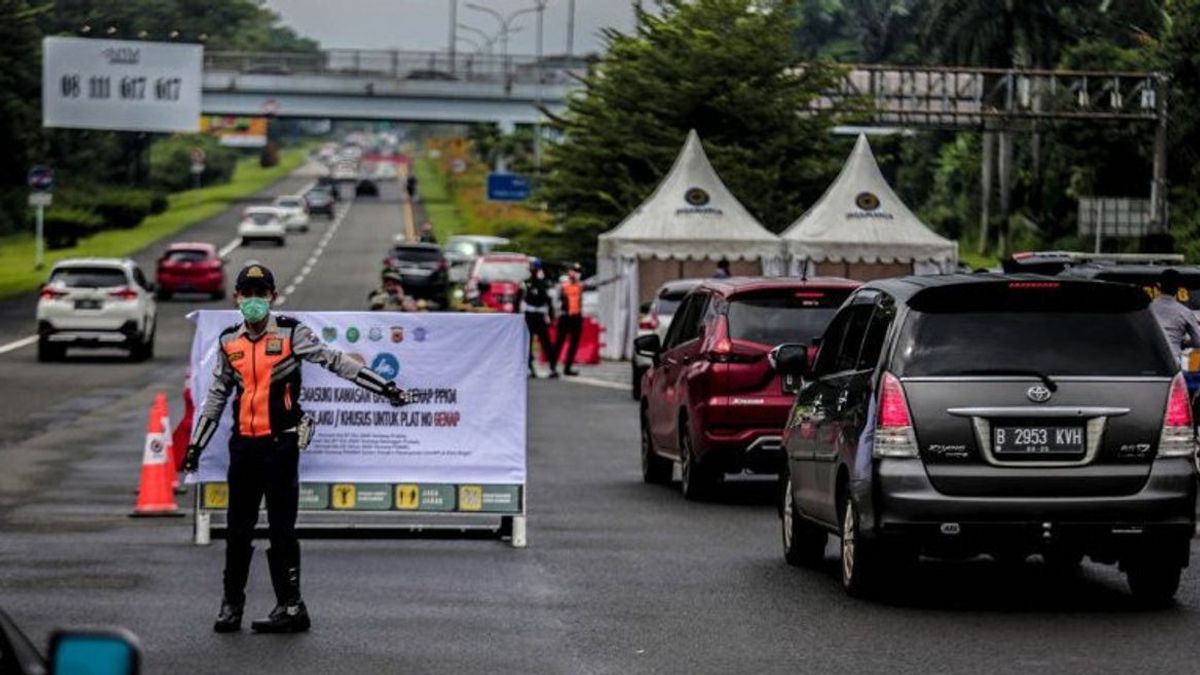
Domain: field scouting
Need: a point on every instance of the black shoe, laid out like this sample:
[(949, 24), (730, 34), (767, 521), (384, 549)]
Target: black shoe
[(290, 618), (554, 374), (229, 619), (532, 375), (571, 372)]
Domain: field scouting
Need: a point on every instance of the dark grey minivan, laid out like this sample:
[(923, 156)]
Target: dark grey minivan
[(1006, 415)]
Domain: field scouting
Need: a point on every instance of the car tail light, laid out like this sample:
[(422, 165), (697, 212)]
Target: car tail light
[(649, 323), (1033, 285), (1178, 435), (894, 435), (52, 294), (124, 294), (215, 264), (441, 265), (725, 350)]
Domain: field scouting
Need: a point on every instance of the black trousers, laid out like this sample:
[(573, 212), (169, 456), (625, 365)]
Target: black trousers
[(539, 329), (569, 327), (263, 467)]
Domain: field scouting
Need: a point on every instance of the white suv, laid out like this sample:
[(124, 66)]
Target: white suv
[(262, 222), (295, 212), (96, 302)]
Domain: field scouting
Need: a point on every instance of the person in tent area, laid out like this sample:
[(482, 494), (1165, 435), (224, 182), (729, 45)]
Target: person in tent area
[(722, 271), (258, 364)]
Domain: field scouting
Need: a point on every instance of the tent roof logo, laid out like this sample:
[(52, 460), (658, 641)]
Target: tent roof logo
[(867, 201), (696, 196)]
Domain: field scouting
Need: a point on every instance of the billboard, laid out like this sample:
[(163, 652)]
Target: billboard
[(121, 85), (236, 132)]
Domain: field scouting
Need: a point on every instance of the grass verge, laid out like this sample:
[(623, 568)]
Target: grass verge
[(440, 209), (17, 274)]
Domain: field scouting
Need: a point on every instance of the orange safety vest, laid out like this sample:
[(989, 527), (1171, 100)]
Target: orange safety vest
[(572, 293), (268, 375)]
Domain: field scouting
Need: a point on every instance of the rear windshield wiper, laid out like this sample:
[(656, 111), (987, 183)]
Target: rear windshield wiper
[(1014, 371)]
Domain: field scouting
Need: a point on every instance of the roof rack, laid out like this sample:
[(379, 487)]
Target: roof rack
[(1122, 258)]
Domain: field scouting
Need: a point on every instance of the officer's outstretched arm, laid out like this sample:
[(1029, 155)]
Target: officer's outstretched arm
[(308, 347), (210, 415)]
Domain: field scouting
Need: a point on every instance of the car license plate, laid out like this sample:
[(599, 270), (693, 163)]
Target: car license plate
[(1038, 440), (87, 304), (415, 271)]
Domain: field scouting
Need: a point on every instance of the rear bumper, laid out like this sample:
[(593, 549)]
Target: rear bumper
[(756, 450), (906, 502), (123, 334), (210, 283)]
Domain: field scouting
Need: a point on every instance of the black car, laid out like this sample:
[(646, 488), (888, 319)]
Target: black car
[(1006, 415), (423, 269), (320, 201)]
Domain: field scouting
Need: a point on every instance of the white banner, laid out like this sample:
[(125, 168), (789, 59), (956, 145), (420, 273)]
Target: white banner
[(467, 426), (121, 85)]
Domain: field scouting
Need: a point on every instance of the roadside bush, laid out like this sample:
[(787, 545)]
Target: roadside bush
[(171, 162), (122, 209), (65, 226)]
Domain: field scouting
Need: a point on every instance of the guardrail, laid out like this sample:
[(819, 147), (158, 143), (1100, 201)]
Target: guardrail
[(402, 65)]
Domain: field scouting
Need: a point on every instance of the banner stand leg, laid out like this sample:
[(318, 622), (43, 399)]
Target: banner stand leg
[(518, 531), (203, 527)]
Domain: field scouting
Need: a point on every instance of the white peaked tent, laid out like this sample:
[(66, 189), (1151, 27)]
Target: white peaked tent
[(860, 229), (688, 224)]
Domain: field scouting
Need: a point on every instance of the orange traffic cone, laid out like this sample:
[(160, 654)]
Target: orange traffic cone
[(155, 495)]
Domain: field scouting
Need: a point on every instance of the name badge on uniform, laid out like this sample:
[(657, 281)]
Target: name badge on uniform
[(274, 346)]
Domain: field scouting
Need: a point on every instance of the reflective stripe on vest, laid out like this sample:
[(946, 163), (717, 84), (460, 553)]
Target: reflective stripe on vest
[(255, 360)]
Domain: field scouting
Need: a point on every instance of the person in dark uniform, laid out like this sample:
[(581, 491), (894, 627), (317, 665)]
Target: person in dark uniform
[(538, 308), (258, 364)]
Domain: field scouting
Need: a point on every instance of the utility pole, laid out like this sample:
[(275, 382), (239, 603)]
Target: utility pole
[(537, 127), (453, 32), (571, 28)]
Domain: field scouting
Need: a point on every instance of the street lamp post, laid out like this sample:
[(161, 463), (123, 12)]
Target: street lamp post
[(537, 126), (453, 32), (505, 24), (487, 41)]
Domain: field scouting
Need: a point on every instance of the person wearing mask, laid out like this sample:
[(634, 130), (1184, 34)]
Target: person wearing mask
[(538, 308), (570, 322), (258, 365), (1178, 322)]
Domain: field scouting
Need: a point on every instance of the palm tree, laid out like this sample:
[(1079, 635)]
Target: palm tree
[(994, 33)]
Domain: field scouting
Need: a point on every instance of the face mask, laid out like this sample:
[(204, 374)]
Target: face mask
[(254, 309)]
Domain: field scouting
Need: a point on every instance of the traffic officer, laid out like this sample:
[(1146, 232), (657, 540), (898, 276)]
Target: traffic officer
[(390, 297), (259, 365), (570, 323), (1178, 322), (539, 312)]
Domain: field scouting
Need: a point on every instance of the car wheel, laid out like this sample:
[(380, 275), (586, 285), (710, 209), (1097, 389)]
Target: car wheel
[(48, 351), (143, 349), (246, 241), (859, 563), (656, 469), (280, 241), (1152, 580), (697, 481), (219, 295), (1063, 562), (636, 389), (803, 542), (304, 229)]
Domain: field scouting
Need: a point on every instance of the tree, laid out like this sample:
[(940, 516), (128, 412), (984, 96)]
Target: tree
[(20, 115), (998, 33), (723, 67)]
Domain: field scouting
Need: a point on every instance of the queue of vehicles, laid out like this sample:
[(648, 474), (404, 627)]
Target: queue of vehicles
[(952, 416)]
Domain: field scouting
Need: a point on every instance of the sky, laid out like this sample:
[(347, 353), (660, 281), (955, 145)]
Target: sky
[(424, 25)]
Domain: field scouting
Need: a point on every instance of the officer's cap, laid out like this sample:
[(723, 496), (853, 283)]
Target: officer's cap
[(255, 276), (393, 275)]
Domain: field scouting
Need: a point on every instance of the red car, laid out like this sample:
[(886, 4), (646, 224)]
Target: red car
[(191, 267), (711, 400), (495, 280)]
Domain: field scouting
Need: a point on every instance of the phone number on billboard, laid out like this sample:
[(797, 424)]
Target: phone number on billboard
[(126, 88)]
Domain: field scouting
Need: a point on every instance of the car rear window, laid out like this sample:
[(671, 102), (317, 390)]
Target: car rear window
[(189, 255), (416, 254), (89, 277), (799, 315), (261, 218), (503, 271), (290, 203), (1033, 326)]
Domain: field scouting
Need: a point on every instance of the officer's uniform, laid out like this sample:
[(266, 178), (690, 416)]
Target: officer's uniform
[(570, 323), (262, 374), (539, 312)]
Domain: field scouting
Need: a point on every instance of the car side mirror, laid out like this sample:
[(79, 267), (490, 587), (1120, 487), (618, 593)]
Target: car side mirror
[(96, 651), (649, 346), (789, 359)]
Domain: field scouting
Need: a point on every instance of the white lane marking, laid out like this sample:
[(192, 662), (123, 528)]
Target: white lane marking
[(17, 344), (592, 382), (229, 248), (316, 256)]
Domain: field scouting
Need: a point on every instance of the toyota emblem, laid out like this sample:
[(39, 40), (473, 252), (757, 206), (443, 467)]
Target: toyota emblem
[(1038, 394)]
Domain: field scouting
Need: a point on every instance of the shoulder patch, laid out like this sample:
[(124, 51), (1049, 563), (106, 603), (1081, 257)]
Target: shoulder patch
[(285, 321)]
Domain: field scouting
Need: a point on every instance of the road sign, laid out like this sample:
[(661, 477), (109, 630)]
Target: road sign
[(121, 85), (41, 178), (41, 199), (198, 155), (458, 166), (508, 187)]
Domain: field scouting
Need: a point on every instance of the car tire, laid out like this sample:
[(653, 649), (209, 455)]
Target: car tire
[(860, 560), (636, 388), (803, 542), (1153, 579), (143, 349), (697, 481), (219, 295), (280, 241), (246, 242), (48, 352), (656, 469)]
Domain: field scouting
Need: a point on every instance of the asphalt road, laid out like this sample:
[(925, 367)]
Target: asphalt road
[(619, 577)]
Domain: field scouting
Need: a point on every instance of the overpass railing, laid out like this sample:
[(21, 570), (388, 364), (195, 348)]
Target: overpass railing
[(401, 65)]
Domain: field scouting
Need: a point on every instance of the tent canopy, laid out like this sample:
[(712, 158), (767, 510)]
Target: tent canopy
[(860, 219), (691, 215)]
